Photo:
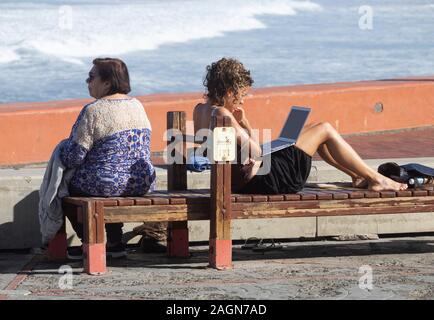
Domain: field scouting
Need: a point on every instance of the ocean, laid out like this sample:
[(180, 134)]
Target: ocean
[(47, 47)]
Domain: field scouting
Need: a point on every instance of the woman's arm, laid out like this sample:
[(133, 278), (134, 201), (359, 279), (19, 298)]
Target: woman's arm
[(74, 150), (243, 133)]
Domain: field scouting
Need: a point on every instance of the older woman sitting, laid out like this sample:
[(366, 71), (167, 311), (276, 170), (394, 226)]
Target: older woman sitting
[(109, 146)]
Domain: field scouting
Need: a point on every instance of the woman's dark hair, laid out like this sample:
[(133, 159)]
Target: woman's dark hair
[(224, 75), (114, 71)]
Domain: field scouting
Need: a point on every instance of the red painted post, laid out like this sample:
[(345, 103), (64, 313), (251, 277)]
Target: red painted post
[(94, 252), (177, 231), (220, 242)]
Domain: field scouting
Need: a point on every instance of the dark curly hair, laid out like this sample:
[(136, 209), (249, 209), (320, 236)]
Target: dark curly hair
[(224, 75)]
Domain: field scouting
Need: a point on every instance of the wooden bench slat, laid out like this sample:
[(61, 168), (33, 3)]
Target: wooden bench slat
[(159, 201), (419, 193), (320, 194), (142, 201), (371, 194), (259, 198), (355, 194), (387, 194), (292, 197), (243, 198), (276, 197), (307, 196), (178, 201)]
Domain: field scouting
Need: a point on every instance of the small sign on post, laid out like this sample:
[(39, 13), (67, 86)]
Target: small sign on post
[(225, 145)]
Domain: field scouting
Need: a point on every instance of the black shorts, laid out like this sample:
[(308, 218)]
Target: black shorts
[(289, 170)]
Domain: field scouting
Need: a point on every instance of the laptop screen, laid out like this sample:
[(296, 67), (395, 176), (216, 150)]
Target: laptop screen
[(295, 123)]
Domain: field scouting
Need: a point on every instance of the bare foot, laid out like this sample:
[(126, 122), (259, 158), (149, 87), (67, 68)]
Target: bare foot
[(385, 183), (360, 182)]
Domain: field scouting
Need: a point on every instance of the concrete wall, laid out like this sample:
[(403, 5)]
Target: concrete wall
[(30, 131)]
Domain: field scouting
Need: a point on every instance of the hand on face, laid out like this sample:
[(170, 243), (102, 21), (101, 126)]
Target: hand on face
[(238, 114)]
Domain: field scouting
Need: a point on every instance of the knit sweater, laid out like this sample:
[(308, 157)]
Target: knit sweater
[(109, 146)]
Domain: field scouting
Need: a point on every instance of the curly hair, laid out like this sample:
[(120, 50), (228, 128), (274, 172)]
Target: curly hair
[(224, 75)]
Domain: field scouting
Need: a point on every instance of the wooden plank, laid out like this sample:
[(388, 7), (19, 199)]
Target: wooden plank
[(259, 198), (156, 217), (142, 202), (177, 201), (338, 204), (243, 198), (387, 194), (177, 173), (287, 205), (125, 202), (404, 193), (354, 194), (89, 223), (292, 197), (338, 194), (220, 239), (99, 220), (320, 194), (276, 197), (108, 202), (307, 196), (159, 201), (257, 214), (419, 193), (371, 194), (75, 200)]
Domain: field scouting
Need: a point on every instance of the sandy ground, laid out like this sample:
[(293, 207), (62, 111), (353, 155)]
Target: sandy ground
[(391, 268)]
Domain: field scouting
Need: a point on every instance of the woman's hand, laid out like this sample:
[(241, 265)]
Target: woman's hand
[(239, 114), (247, 168)]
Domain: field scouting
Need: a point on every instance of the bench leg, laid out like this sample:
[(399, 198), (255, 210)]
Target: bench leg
[(177, 239), (57, 247), (220, 254), (220, 240), (94, 258), (94, 252)]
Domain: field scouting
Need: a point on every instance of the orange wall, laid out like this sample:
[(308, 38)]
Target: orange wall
[(30, 131)]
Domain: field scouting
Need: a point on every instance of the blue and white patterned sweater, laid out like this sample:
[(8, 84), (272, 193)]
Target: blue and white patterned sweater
[(109, 146)]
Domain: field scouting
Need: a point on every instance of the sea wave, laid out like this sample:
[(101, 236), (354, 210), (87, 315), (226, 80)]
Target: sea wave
[(95, 28)]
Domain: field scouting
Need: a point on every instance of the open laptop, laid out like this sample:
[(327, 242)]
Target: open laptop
[(291, 130)]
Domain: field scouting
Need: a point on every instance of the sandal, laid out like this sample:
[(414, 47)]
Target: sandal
[(254, 242), (263, 247)]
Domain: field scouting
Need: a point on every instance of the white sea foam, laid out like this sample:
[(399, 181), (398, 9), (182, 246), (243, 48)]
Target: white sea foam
[(88, 30), (8, 55)]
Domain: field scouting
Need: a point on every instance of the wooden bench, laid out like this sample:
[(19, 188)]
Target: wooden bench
[(218, 205)]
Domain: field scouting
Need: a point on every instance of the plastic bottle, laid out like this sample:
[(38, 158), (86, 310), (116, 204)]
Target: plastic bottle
[(417, 181)]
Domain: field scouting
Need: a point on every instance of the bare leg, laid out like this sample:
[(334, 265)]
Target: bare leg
[(344, 155), (358, 182)]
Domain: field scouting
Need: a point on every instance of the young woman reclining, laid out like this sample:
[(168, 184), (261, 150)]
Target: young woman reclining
[(227, 82)]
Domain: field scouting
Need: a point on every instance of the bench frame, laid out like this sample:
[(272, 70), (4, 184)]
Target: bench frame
[(218, 205)]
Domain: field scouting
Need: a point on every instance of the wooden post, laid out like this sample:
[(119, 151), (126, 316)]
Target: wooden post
[(177, 231), (94, 260), (220, 240)]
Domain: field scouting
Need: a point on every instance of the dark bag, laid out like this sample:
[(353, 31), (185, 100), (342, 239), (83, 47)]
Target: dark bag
[(413, 174)]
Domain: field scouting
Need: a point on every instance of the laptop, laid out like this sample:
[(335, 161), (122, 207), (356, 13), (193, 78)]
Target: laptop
[(291, 130)]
